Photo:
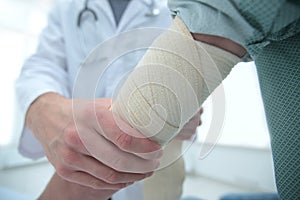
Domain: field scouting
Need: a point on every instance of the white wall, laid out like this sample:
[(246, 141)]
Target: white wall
[(29, 180), (241, 166)]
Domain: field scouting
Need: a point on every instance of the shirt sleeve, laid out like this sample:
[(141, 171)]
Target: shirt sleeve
[(252, 24), (44, 71)]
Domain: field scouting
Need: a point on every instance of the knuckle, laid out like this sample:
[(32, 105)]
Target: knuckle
[(112, 177), (123, 141), (63, 171), (96, 184), (69, 157), (99, 115), (71, 137)]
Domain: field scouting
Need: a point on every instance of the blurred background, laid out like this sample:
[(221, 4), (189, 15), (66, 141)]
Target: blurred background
[(240, 161)]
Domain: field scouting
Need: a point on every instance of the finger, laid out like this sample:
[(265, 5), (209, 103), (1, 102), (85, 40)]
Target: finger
[(121, 134), (131, 140), (99, 170), (200, 122), (109, 154), (72, 139), (190, 137), (201, 110), (88, 180), (151, 155), (186, 135), (192, 123), (72, 161)]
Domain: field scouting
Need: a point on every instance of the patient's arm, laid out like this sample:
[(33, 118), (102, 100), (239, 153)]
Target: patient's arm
[(171, 82)]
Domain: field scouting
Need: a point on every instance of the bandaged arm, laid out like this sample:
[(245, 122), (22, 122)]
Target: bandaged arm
[(171, 82)]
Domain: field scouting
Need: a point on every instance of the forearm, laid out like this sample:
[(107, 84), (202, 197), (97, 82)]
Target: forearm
[(171, 82)]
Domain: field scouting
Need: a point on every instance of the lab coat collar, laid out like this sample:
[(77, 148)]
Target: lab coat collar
[(105, 6), (132, 11)]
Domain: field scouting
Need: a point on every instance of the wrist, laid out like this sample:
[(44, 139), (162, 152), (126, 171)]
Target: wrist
[(59, 188), (43, 107)]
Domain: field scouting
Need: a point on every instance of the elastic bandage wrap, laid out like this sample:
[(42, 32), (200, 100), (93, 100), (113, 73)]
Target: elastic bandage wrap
[(170, 83)]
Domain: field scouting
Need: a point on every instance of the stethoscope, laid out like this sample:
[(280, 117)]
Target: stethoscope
[(153, 11)]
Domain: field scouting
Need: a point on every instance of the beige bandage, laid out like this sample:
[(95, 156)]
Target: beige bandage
[(171, 82), (164, 92)]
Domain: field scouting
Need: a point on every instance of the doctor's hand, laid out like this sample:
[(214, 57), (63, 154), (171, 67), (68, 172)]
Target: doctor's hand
[(189, 129), (92, 152)]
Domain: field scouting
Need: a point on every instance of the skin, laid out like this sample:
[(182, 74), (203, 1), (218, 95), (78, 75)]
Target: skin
[(81, 161), (78, 171), (60, 189), (221, 42), (50, 118)]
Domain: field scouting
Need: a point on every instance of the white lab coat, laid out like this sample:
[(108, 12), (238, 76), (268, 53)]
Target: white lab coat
[(63, 47)]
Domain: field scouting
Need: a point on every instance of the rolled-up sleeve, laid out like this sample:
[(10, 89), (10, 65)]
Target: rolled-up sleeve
[(252, 24)]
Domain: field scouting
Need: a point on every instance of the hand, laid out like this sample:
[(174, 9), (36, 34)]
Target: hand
[(189, 129), (84, 153), (60, 189)]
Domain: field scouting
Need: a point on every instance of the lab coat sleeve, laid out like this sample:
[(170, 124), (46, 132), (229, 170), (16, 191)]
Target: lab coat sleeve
[(44, 71)]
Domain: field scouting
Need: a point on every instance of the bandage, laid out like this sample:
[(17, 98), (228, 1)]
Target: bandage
[(170, 83)]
